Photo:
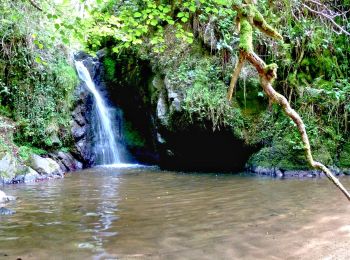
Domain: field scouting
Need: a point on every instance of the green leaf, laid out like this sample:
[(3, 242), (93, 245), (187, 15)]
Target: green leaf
[(37, 59), (137, 41), (137, 14), (65, 40), (184, 19), (154, 41), (181, 14), (154, 22), (166, 10)]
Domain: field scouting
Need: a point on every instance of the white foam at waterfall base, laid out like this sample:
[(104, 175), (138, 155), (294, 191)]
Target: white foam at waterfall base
[(105, 143), (122, 165)]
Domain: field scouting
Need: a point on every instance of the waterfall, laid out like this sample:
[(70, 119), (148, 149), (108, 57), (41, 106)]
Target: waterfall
[(105, 141)]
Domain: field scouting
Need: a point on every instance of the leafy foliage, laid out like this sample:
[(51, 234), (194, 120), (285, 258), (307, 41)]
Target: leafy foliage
[(36, 82), (136, 22)]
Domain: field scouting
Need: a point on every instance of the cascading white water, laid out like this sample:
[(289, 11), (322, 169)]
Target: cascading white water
[(105, 143)]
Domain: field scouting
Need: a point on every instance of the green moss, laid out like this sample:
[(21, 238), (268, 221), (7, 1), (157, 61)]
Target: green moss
[(280, 155), (25, 151), (36, 80), (246, 36), (271, 67), (132, 137), (109, 66), (344, 159), (199, 80), (271, 71)]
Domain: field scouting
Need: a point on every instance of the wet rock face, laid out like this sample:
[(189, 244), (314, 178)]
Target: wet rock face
[(174, 95), (185, 145), (81, 115), (81, 129)]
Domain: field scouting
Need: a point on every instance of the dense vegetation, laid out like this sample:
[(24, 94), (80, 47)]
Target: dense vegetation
[(193, 44), (36, 79)]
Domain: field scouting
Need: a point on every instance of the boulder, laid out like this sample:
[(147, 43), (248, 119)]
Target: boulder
[(44, 166), (31, 175), (26, 174), (8, 167), (4, 198), (6, 211), (66, 161)]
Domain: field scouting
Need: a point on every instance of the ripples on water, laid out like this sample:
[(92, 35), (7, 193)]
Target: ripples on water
[(138, 213)]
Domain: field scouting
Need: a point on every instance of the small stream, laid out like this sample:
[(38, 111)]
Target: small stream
[(145, 213)]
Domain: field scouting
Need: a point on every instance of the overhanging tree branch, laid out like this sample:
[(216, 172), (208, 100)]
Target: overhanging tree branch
[(249, 17)]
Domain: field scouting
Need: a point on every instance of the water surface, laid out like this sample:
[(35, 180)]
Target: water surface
[(145, 213)]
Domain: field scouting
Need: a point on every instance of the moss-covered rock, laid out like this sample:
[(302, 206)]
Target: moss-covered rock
[(8, 167), (344, 158)]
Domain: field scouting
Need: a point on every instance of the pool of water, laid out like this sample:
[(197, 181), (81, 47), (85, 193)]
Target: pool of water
[(145, 213)]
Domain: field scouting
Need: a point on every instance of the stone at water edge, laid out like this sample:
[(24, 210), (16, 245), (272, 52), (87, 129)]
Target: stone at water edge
[(8, 167), (44, 166), (4, 198), (6, 211), (31, 175)]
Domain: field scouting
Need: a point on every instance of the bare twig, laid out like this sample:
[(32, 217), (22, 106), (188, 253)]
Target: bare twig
[(35, 5), (328, 17)]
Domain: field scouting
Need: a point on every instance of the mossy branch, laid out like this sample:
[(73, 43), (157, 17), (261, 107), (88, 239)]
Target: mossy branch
[(249, 18)]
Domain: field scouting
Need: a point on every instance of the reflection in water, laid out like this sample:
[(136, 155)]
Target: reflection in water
[(136, 213)]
